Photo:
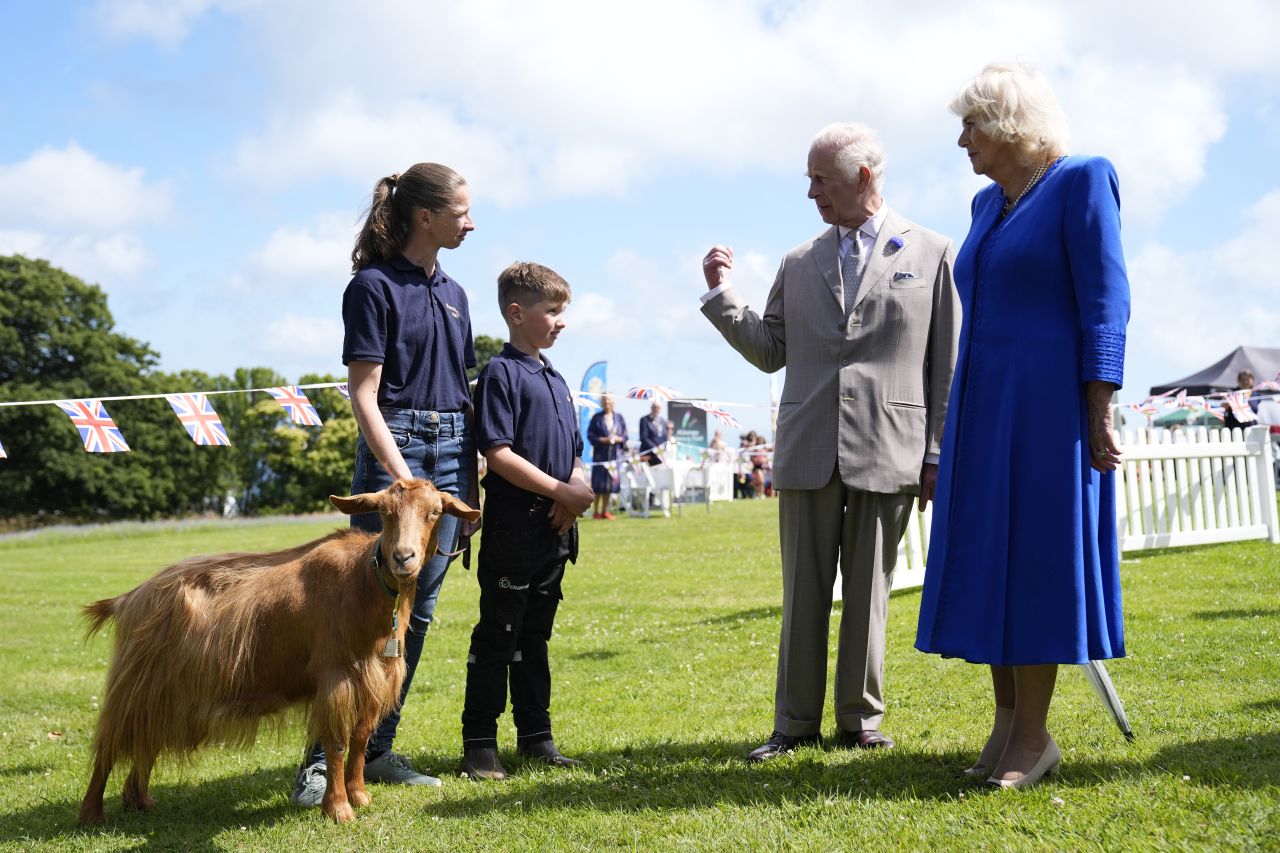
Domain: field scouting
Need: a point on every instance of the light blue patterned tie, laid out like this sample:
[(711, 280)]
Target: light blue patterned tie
[(851, 272)]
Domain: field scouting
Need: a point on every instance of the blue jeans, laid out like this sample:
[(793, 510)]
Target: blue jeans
[(437, 447)]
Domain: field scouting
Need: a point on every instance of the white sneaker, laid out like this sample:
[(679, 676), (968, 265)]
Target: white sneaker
[(309, 785), (395, 769)]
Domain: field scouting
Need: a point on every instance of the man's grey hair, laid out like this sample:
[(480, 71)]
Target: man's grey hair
[(856, 145), (1013, 103)]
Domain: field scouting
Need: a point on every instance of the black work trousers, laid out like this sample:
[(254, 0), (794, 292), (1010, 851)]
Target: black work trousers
[(521, 563)]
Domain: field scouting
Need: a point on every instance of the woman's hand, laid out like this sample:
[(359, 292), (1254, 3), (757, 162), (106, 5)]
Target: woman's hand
[(1104, 452)]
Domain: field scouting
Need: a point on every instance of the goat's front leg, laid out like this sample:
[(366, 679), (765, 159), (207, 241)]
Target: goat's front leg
[(335, 803), (356, 792)]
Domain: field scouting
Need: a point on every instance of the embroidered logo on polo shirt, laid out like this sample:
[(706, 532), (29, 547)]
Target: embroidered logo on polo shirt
[(506, 583), (457, 315)]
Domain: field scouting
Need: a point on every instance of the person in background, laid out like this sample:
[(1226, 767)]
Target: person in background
[(607, 433), (1240, 420), (654, 431), (407, 347), (1023, 571)]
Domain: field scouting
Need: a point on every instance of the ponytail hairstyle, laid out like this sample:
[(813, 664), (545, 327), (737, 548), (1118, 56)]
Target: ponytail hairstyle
[(386, 229)]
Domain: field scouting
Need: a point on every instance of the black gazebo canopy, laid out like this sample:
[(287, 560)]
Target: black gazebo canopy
[(1263, 362)]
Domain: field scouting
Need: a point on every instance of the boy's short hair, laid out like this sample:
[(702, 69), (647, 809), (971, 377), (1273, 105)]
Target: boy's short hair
[(527, 283)]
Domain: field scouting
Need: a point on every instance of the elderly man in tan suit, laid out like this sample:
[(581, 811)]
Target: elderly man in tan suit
[(865, 319)]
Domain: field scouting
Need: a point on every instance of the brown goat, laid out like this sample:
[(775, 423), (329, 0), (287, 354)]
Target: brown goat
[(209, 646)]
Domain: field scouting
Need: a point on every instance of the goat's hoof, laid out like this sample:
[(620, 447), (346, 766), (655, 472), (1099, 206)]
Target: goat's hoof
[(359, 798), (145, 803), (92, 816), (341, 813)]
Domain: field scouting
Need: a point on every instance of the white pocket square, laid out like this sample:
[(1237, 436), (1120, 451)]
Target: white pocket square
[(903, 274)]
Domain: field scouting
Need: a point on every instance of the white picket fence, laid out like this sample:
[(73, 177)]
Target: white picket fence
[(1190, 487)]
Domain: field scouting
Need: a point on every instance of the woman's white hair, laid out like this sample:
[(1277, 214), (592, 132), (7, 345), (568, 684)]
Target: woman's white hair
[(1012, 102), (856, 146)]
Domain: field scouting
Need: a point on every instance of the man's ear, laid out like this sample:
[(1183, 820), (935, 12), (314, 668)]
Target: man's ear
[(514, 313)]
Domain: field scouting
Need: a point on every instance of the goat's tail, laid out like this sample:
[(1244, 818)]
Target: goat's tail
[(98, 614)]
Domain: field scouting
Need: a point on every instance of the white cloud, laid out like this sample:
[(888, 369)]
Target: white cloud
[(165, 22), (318, 252), (1155, 122), (572, 98), (1192, 307), (72, 188), (301, 338), (91, 258)]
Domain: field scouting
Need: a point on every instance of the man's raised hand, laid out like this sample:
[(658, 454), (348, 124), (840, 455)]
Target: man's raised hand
[(717, 266)]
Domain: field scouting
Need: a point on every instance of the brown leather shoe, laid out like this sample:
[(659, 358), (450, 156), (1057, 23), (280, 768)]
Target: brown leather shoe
[(545, 751), (865, 739), (482, 763), (780, 744)]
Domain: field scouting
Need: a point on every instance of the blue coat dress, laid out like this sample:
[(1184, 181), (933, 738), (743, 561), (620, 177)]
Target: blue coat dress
[(603, 481), (1023, 563)]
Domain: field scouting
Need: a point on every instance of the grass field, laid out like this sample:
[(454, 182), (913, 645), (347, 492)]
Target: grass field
[(663, 664)]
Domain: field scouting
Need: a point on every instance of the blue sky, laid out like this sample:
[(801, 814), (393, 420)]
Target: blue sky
[(207, 161)]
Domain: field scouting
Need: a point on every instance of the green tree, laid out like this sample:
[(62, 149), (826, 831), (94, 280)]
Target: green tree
[(486, 348), (58, 341)]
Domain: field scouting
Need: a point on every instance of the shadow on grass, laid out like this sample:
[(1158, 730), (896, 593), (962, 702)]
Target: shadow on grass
[(749, 615), (1245, 761), (24, 770), (594, 654), (1262, 705), (677, 777), (189, 815), (1237, 613)]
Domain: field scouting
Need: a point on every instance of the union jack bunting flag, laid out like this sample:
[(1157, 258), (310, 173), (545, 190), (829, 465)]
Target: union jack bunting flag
[(98, 432), (202, 422), (1238, 402), (651, 392), (723, 416), (297, 405), (344, 390), (3, 455), (585, 402)]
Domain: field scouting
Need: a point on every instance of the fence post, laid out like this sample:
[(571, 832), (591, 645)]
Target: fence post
[(1260, 440)]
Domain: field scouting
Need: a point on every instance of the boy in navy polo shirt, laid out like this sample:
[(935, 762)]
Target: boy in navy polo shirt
[(535, 489)]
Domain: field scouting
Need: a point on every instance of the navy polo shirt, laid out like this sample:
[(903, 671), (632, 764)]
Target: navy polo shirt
[(418, 327), (523, 402)]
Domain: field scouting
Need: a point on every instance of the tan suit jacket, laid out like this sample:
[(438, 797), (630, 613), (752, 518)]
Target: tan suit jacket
[(868, 395)]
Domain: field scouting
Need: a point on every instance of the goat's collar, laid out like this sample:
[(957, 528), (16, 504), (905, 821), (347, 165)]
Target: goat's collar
[(376, 562)]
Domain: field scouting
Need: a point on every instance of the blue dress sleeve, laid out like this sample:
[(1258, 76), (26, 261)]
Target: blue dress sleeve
[(596, 431), (1092, 235)]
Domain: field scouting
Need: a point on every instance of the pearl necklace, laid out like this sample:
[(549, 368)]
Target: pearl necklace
[(1035, 178)]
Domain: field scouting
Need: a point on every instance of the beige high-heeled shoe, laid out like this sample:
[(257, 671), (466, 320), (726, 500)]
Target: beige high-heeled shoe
[(1046, 765)]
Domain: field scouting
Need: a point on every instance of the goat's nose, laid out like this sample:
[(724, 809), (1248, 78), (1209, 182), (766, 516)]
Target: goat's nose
[(403, 556)]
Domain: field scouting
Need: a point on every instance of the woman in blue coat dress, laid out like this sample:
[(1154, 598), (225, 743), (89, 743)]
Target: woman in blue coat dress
[(607, 434), (1023, 567)]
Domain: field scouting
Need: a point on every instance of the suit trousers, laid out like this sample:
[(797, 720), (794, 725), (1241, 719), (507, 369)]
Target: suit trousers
[(820, 529)]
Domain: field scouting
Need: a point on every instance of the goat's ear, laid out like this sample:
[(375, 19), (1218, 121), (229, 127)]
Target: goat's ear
[(453, 506), (356, 504)]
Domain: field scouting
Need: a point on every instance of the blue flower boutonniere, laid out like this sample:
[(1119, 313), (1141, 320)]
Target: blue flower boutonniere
[(895, 243)]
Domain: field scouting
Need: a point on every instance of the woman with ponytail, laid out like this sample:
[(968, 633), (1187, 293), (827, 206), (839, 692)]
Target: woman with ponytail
[(407, 347)]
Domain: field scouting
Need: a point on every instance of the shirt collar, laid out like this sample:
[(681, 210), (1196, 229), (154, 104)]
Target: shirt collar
[(870, 229), (528, 362), (403, 264)]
